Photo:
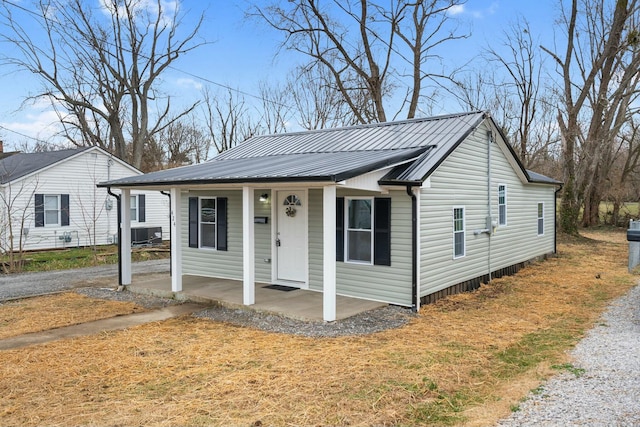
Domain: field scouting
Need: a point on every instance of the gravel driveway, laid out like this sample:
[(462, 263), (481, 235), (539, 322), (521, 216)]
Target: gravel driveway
[(607, 393), (28, 284)]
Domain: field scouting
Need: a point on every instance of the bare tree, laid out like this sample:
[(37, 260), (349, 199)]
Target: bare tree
[(523, 69), (368, 50), (275, 111), (100, 68), (15, 213), (184, 142), (599, 82), (228, 120), (317, 102)]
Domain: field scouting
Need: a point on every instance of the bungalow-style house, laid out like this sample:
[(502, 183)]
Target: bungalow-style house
[(49, 200), (398, 212)]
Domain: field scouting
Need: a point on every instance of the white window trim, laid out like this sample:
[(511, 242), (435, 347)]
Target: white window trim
[(134, 218), (347, 229), (505, 205), (59, 210), (215, 224), (463, 231), (538, 218)]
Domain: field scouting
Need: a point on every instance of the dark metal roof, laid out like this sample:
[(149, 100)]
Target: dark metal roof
[(327, 155), (334, 167), (542, 179), (373, 137), (21, 164)]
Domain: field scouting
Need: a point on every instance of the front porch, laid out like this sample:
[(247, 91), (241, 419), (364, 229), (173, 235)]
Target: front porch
[(297, 304)]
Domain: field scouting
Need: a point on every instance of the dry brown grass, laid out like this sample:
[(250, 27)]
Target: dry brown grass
[(463, 361), (54, 311)]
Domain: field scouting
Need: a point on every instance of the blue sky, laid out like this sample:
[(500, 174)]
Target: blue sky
[(240, 54)]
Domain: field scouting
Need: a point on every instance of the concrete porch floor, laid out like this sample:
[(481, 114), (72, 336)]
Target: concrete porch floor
[(298, 304)]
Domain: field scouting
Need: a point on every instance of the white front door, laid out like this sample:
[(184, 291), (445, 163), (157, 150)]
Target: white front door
[(291, 236)]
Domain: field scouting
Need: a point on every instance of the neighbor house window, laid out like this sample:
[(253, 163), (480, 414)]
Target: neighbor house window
[(359, 230), (458, 233), (138, 208), (502, 204), (208, 223), (540, 219), (51, 210)]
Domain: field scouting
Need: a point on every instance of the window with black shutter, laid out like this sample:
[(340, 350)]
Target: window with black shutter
[(51, 210), (363, 230), (208, 223)]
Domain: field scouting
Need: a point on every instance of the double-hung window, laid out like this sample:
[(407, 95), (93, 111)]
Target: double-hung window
[(138, 208), (363, 230), (502, 204), (51, 210), (458, 233), (359, 230), (208, 223), (540, 218)]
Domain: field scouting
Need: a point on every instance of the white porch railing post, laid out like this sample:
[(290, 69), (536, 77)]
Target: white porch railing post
[(248, 247), (329, 252), (176, 240), (125, 244)]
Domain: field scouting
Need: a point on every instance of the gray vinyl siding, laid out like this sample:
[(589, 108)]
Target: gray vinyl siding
[(228, 264), (518, 241), (263, 241), (374, 282), (461, 181), (315, 240)]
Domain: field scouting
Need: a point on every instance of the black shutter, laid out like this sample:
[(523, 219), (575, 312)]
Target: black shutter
[(142, 215), (340, 229), (39, 210), (221, 219), (64, 209), (382, 231), (193, 222)]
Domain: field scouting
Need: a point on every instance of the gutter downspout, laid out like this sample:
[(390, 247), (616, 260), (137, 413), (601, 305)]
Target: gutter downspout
[(117, 196), (170, 250), (489, 219), (414, 247)]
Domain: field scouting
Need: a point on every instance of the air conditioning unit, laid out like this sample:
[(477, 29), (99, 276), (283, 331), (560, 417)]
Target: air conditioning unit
[(146, 236)]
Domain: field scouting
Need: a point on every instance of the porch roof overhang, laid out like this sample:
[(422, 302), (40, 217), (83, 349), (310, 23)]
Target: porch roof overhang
[(331, 167)]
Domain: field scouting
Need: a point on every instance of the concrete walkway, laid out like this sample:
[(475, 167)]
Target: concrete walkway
[(97, 326)]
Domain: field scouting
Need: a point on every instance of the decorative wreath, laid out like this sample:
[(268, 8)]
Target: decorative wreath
[(291, 201)]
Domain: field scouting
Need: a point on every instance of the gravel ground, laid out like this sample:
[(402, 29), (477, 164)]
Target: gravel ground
[(371, 321), (607, 392), (29, 284), (364, 323)]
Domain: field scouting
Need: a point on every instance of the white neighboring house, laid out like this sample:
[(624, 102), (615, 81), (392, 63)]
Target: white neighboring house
[(52, 201)]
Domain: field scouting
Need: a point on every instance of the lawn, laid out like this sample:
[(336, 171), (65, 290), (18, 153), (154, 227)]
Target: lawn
[(29, 315), (64, 259), (467, 360)]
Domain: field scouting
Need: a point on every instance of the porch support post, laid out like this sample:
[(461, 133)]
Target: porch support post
[(248, 248), (329, 252), (176, 240), (125, 244)]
